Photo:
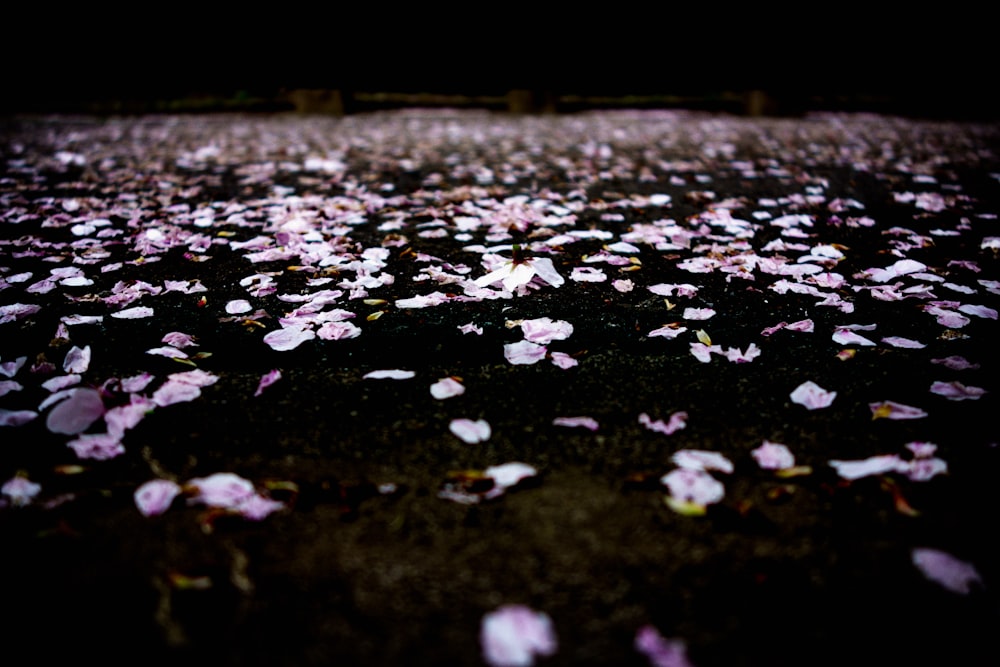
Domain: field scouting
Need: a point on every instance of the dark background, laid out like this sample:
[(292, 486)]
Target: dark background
[(181, 58)]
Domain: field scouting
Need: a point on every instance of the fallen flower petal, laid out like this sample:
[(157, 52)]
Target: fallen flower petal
[(942, 568), (509, 474), (698, 459), (563, 360), (20, 490), (97, 446), (773, 456), (267, 380), (812, 396), (893, 410), (16, 417), (136, 313), (875, 465), (393, 374), (524, 352), (470, 431), (588, 423), (693, 486), (513, 635), (222, 489), (896, 341), (956, 391), (75, 414), (155, 496), (678, 420), (544, 330), (288, 338), (77, 360), (661, 652), (956, 363), (446, 388)]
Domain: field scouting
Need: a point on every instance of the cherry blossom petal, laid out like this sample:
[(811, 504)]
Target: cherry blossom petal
[(175, 391), (524, 352), (238, 306), (222, 489), (513, 635), (812, 396), (978, 311), (875, 465), (75, 414), (699, 459), (469, 431), (956, 391), (179, 340), (668, 331), (942, 568), (773, 456), (907, 343), (393, 374), (956, 363), (563, 360), (77, 360), (588, 423), (258, 507), (338, 331), (267, 380), (288, 338), (446, 388), (544, 330), (16, 417), (136, 313), (845, 337), (20, 490), (661, 652), (698, 313), (508, 474), (693, 486), (98, 446), (893, 410), (155, 496), (677, 421), (588, 274)]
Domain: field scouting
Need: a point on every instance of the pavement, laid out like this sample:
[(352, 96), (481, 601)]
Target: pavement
[(440, 386)]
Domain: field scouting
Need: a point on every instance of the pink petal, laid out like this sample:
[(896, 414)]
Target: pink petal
[(584, 422), (693, 486), (699, 459), (896, 341), (942, 568), (267, 380), (812, 396), (956, 391), (698, 313), (470, 431), (563, 360), (956, 363), (513, 635), (659, 651), (893, 410), (20, 490), (76, 413), (845, 337), (16, 417), (875, 465), (258, 507), (388, 375), (544, 330), (588, 274), (678, 420), (222, 489), (77, 360), (524, 352), (509, 474), (138, 312), (175, 391), (155, 496), (98, 446), (179, 340), (773, 456), (289, 338), (446, 388)]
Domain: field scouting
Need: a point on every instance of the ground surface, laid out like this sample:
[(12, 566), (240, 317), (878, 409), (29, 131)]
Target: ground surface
[(320, 223)]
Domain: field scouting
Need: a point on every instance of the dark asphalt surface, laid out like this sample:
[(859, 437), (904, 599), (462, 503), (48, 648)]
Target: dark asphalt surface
[(388, 546)]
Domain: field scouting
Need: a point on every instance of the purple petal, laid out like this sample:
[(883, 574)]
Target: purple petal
[(942, 568), (812, 396), (659, 651), (267, 380), (524, 352), (222, 489), (513, 635), (446, 388), (97, 446), (588, 423), (470, 431), (155, 496), (75, 414)]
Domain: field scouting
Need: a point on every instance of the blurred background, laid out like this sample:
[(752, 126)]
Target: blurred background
[(350, 59)]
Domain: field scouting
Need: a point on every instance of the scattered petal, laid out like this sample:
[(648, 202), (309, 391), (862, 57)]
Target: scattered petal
[(267, 380), (661, 652), (588, 423), (20, 490), (812, 396), (773, 456), (942, 568), (76, 413), (524, 352), (446, 388), (678, 421), (155, 496), (513, 635), (469, 431), (893, 410), (956, 391), (693, 486), (393, 374)]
